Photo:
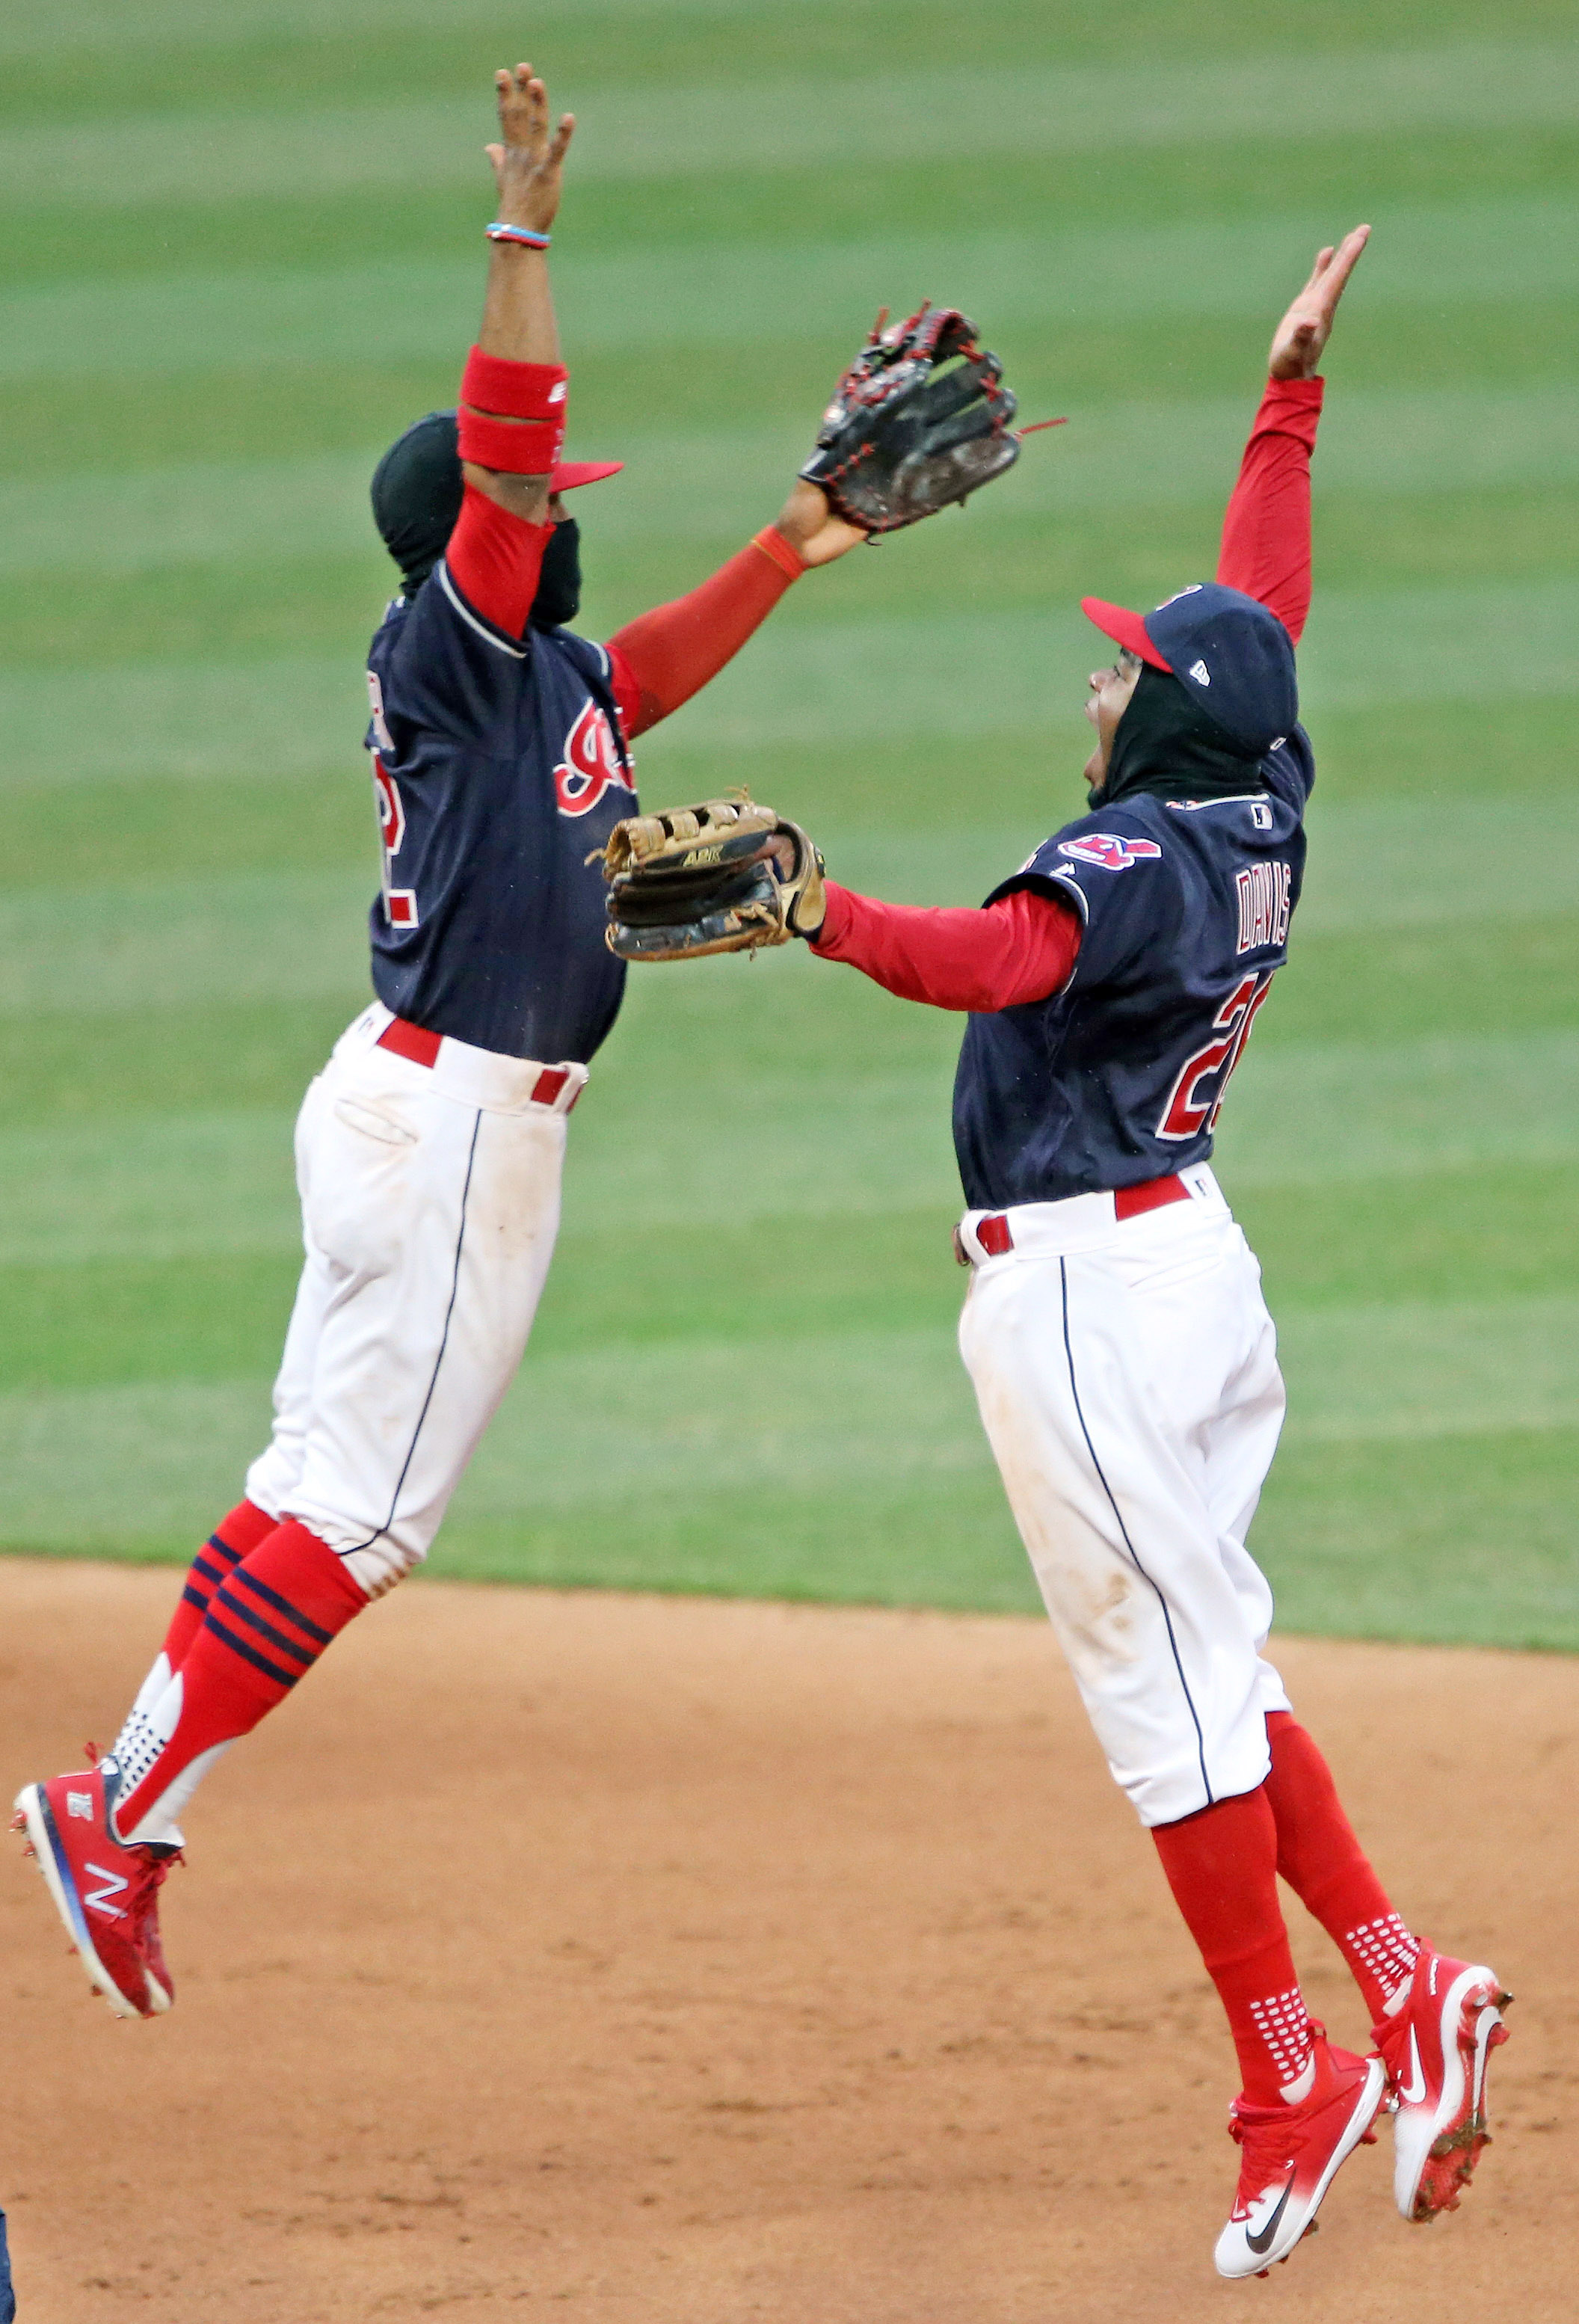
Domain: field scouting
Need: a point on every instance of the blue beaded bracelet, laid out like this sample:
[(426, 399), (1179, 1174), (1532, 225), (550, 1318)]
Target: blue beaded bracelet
[(499, 232)]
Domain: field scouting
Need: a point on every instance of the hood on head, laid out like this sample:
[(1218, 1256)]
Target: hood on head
[(416, 492)]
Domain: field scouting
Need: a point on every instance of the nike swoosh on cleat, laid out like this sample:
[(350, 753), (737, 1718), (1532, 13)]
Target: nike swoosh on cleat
[(1261, 2241), (1415, 2090)]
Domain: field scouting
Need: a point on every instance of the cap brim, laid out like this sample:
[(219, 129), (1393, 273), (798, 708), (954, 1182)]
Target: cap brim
[(571, 473), (1126, 629)]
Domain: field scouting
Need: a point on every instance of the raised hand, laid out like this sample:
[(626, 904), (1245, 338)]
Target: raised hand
[(808, 523), (527, 162), (1304, 331)]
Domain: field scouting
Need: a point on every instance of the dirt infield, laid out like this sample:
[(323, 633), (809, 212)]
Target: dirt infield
[(623, 1958)]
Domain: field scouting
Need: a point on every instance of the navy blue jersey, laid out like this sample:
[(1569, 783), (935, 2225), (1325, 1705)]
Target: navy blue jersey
[(1120, 1077), (496, 771)]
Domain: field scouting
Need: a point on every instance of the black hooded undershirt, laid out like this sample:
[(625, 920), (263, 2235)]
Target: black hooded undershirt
[(1167, 745)]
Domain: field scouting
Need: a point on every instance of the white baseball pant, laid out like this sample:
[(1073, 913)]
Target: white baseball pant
[(1127, 1376), (430, 1205)]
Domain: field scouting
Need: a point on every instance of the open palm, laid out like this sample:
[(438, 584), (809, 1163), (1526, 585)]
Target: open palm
[(1304, 331)]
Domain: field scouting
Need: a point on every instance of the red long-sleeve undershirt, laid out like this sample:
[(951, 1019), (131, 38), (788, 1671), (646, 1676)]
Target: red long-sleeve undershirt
[(1020, 948), (660, 660), (1024, 946), (494, 557), (1266, 531)]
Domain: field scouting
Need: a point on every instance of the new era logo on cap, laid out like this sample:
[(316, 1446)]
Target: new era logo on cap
[(1200, 673)]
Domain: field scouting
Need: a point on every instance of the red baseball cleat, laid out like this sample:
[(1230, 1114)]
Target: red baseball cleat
[(1436, 2050), (107, 1895), (1291, 2154)]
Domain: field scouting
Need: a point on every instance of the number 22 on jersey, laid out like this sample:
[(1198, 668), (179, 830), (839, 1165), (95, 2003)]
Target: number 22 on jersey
[(1195, 1098), (399, 904)]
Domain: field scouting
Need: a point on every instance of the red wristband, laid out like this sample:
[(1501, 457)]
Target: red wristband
[(780, 551), (520, 447), (514, 390)]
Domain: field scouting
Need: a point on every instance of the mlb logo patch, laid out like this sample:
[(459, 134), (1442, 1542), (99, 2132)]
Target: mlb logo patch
[(1108, 849)]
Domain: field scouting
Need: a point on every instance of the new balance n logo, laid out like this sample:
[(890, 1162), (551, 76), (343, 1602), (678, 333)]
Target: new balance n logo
[(103, 1900), (80, 1803)]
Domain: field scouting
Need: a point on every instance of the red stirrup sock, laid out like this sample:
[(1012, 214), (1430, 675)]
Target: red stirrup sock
[(267, 1623), (1324, 1863), (1222, 1866), (232, 1539)]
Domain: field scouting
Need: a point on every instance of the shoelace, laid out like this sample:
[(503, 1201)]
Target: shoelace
[(1264, 2155), (152, 1870)]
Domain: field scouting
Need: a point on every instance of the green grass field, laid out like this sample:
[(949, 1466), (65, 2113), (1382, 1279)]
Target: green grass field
[(247, 258)]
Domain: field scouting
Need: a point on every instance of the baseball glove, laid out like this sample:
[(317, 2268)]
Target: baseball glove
[(903, 437), (725, 876)]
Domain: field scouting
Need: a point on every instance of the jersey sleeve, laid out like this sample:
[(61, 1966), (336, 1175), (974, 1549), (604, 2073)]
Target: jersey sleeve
[(1266, 532), (1116, 878)]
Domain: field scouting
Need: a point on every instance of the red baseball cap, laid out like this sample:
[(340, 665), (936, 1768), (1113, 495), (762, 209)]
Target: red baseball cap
[(1126, 629), (571, 473)]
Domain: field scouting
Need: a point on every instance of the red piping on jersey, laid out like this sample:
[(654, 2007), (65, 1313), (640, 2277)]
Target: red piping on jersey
[(1022, 948)]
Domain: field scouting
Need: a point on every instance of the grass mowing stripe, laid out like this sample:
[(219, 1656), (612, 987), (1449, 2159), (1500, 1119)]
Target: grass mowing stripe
[(794, 123), (137, 827), (251, 937), (715, 294), (1378, 1143), (938, 676), (1375, 863), (1133, 455), (152, 945), (1460, 1540), (197, 24), (582, 1439), (1314, 1112), (1305, 1113), (307, 41), (1466, 1239)]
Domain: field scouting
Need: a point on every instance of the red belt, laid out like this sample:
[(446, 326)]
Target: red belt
[(421, 1047), (1129, 1202)]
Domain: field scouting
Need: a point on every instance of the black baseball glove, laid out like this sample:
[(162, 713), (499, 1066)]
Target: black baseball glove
[(904, 436), (725, 876)]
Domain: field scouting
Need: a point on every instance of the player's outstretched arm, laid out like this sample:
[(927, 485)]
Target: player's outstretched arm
[(663, 656), (1266, 532), (518, 308)]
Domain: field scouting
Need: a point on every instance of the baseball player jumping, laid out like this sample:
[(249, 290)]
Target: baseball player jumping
[(1122, 1356), (1123, 1359), (429, 1149)]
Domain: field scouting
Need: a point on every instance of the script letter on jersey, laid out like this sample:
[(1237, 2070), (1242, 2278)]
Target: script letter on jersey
[(590, 763)]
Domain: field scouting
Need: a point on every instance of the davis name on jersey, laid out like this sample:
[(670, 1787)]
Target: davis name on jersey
[(498, 766), (1121, 1076)]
